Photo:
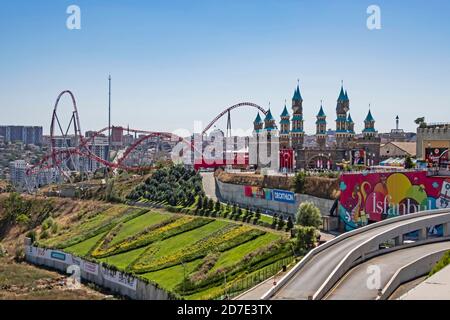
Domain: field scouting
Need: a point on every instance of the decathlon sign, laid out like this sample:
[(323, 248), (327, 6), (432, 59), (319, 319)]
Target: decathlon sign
[(283, 196)]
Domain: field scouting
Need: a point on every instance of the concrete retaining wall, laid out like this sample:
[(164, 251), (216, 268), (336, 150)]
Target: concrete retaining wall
[(411, 271), (118, 283), (235, 193)]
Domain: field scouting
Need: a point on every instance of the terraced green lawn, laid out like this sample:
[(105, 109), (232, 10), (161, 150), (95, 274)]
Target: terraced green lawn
[(122, 260), (169, 278), (95, 228), (184, 240), (236, 254), (89, 223), (132, 227), (82, 249)]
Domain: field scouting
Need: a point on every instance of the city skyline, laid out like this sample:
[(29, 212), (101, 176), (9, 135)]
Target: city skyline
[(174, 62)]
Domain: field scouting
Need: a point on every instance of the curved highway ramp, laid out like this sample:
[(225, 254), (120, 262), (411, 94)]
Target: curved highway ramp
[(322, 268), (357, 284)]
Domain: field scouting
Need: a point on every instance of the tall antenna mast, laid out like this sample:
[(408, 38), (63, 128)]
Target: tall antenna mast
[(109, 117)]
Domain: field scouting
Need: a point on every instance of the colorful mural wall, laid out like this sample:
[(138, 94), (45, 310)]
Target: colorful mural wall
[(372, 197)]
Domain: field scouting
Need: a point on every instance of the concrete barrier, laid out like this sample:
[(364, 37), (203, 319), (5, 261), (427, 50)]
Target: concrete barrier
[(340, 238), (116, 281), (411, 271), (372, 244), (235, 193)]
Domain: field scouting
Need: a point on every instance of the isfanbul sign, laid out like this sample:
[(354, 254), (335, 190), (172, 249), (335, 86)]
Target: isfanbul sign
[(371, 197)]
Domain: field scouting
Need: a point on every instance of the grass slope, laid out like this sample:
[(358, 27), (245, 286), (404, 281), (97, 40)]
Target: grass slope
[(133, 226), (197, 254)]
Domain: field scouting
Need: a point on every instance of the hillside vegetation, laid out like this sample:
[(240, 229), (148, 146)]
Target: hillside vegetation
[(187, 255), (325, 185)]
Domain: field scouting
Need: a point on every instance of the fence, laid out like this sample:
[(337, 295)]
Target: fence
[(241, 285), (116, 281)]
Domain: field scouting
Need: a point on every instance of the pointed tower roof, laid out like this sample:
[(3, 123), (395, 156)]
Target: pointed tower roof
[(269, 116), (349, 118), (321, 113), (346, 96), (342, 93), (297, 96), (285, 112), (369, 117), (258, 119)]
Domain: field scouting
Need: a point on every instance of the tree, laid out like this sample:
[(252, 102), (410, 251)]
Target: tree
[(238, 213), (210, 204), (419, 121), (274, 221), (306, 238), (281, 223), (308, 215), (299, 182), (409, 164), (217, 206), (205, 203), (257, 216), (289, 224)]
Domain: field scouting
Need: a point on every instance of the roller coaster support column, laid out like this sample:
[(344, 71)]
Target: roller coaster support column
[(229, 124)]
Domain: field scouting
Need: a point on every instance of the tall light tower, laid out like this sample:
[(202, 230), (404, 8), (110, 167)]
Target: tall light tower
[(109, 117)]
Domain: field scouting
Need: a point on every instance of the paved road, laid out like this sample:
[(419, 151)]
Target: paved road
[(306, 281), (209, 184), (353, 286)]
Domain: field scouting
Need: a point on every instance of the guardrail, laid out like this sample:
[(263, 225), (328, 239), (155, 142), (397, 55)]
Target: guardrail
[(411, 271), (340, 238), (372, 244)]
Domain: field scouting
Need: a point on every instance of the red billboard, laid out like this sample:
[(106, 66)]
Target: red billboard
[(436, 155)]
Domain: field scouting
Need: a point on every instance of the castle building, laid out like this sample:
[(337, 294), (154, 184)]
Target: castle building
[(321, 128), (362, 149), (285, 128)]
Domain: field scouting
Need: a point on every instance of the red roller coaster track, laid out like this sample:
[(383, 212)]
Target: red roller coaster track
[(59, 155), (224, 112)]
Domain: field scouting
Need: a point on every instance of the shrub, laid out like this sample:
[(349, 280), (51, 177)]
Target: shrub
[(409, 164), (281, 223), (299, 182), (19, 254), (306, 238), (210, 204), (445, 261), (23, 219), (54, 228), (274, 221), (289, 224), (44, 235), (217, 206), (308, 215), (205, 203), (238, 213), (199, 203), (32, 235), (47, 224)]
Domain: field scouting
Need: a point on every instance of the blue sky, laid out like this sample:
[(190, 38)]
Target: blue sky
[(174, 62)]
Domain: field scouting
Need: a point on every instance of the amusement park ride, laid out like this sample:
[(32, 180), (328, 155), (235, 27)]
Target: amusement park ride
[(66, 158)]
